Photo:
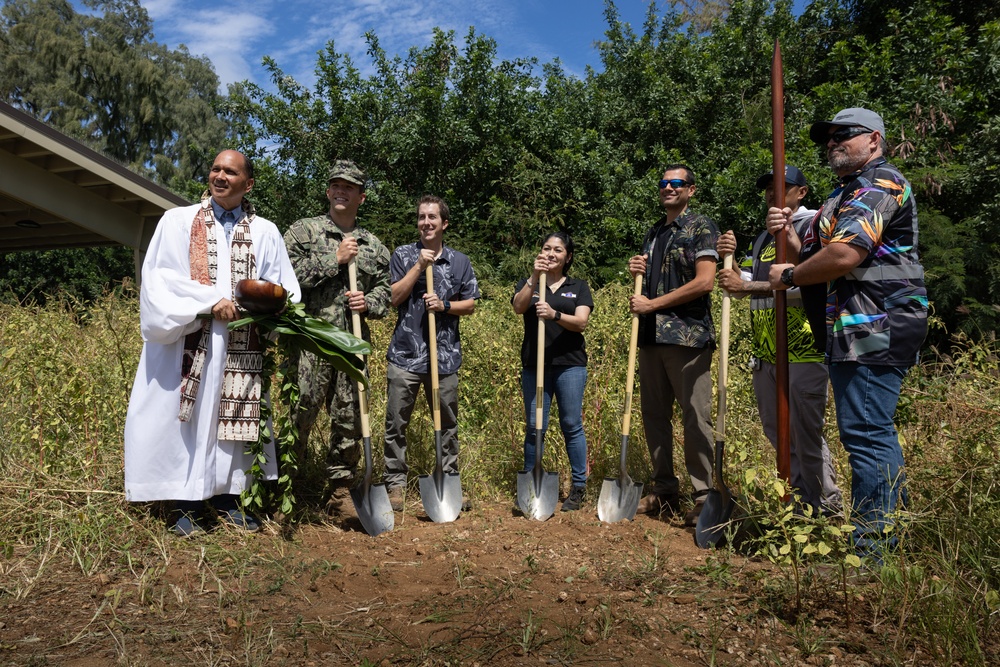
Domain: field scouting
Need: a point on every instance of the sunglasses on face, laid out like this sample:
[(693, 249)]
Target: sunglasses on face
[(675, 183), (845, 133)]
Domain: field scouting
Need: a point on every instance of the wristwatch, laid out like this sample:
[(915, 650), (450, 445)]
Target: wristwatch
[(787, 277), (447, 305), (557, 316)]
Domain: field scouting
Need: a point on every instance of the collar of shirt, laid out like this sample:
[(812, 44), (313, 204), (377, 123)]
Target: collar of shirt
[(445, 255), (217, 210)]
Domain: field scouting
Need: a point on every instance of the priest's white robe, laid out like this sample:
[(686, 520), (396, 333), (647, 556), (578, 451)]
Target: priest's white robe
[(165, 458)]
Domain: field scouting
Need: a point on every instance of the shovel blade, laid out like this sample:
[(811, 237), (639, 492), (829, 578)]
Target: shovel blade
[(539, 502), (442, 502), (619, 499), (373, 507), (710, 530)]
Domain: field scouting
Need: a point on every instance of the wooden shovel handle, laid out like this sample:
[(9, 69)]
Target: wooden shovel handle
[(720, 418), (633, 343), (540, 360), (352, 278), (432, 344)]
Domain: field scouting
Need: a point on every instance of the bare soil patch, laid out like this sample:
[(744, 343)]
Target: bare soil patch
[(492, 588)]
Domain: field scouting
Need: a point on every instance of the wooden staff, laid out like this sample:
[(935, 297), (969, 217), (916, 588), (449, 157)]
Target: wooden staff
[(780, 296)]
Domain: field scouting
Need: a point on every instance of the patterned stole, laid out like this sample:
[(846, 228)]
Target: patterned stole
[(239, 406)]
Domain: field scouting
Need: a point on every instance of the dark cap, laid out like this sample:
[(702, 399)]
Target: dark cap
[(855, 116), (347, 170), (792, 176)]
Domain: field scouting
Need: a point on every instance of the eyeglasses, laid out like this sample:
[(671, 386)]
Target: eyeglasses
[(845, 133), (675, 183)]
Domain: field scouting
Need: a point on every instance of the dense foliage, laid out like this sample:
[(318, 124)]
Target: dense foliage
[(518, 147)]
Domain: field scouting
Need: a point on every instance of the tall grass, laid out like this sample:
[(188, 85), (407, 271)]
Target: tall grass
[(66, 373)]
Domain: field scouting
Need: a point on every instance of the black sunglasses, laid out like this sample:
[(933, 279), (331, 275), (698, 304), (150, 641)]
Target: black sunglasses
[(845, 133), (675, 183)]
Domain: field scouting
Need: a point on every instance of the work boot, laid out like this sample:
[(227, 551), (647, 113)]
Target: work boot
[(691, 517), (396, 498), (657, 504), (574, 500), (339, 504)]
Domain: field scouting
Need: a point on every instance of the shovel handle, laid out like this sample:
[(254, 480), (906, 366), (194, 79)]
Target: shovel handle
[(432, 344), (352, 278), (720, 419), (540, 361), (633, 343)]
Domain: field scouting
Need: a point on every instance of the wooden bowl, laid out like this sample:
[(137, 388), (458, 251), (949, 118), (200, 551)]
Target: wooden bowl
[(260, 296)]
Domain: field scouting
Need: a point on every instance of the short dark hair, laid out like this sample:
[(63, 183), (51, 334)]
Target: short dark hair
[(248, 165), (433, 199), (570, 247), (680, 165)]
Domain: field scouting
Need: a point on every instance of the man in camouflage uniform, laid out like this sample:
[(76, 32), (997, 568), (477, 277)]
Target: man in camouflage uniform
[(676, 341), (320, 249)]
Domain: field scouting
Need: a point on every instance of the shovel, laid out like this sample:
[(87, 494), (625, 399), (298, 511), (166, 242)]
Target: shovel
[(710, 529), (620, 496), (537, 490), (371, 501), (441, 493)]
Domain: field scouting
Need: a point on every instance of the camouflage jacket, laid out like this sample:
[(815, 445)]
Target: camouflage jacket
[(312, 246)]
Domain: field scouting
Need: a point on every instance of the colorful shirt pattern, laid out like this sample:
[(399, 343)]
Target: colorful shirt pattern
[(454, 280), (312, 246), (690, 237), (876, 314)]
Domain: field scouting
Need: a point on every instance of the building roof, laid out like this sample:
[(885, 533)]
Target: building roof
[(57, 193)]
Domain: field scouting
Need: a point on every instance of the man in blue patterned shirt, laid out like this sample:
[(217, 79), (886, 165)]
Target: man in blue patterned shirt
[(676, 341), (863, 244), (455, 293)]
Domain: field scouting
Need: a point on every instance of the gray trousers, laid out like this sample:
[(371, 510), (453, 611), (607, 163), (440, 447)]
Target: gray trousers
[(812, 468), (669, 373), (403, 387)]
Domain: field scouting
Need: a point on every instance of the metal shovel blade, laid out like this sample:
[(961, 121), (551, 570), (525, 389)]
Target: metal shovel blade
[(537, 490), (710, 531), (371, 501), (620, 496), (441, 492)]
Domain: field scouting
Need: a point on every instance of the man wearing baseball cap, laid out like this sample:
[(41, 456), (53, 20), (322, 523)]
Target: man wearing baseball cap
[(320, 249), (813, 475), (863, 246)]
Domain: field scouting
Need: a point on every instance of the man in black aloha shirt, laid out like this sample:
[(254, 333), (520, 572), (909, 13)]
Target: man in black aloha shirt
[(676, 341)]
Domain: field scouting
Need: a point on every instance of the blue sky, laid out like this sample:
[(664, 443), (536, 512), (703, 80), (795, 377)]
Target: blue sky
[(292, 31)]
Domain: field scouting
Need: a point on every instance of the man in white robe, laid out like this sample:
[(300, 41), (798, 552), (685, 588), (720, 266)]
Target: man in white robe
[(188, 458)]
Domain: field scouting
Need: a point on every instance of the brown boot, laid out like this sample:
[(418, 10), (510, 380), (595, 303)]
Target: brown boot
[(339, 504), (691, 518), (396, 497), (657, 504)]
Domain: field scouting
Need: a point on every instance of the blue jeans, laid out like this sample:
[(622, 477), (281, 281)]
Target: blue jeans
[(567, 383), (866, 398)]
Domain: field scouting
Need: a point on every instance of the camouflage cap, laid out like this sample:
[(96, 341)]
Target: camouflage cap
[(347, 170)]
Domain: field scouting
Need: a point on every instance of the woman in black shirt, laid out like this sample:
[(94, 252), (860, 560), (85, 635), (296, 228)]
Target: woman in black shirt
[(567, 308)]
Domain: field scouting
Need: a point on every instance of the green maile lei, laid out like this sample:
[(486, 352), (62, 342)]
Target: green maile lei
[(284, 335)]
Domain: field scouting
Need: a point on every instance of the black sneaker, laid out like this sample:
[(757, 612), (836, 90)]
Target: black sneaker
[(187, 518), (575, 499)]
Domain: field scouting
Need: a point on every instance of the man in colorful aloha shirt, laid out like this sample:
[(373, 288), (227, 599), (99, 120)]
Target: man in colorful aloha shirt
[(864, 245), (676, 341), (321, 249), (812, 470)]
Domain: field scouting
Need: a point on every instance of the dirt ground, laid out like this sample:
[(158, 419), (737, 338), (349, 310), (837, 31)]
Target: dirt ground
[(492, 588)]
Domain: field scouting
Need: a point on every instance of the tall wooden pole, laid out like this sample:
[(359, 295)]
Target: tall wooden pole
[(780, 296)]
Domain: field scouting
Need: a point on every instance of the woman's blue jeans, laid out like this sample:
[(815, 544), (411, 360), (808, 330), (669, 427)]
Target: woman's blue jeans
[(866, 399), (567, 384)]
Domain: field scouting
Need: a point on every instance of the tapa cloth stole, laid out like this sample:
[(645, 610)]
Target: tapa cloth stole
[(239, 405)]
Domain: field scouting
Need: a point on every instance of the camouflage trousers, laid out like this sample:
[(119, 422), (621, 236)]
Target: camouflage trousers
[(320, 384)]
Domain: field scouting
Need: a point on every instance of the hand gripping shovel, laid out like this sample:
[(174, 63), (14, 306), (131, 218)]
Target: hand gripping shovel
[(620, 496), (371, 501), (537, 490), (710, 529), (441, 493)]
